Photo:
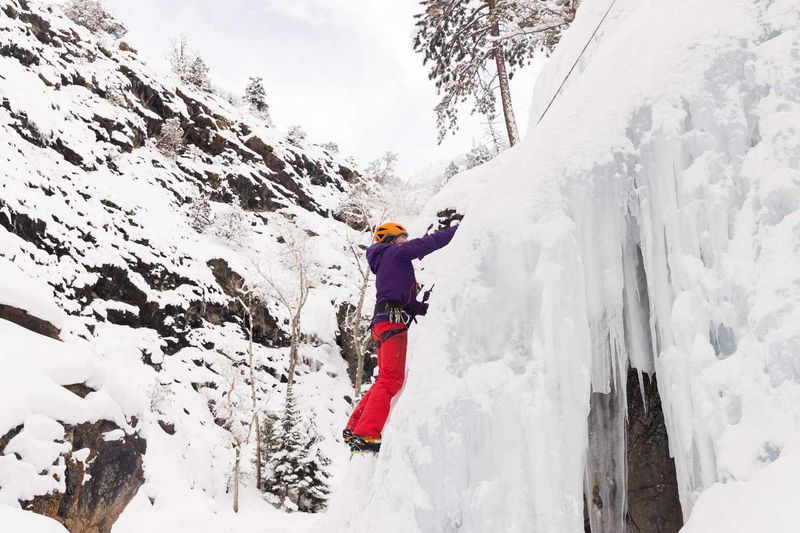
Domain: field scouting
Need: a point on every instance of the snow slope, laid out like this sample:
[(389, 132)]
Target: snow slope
[(652, 218), (97, 239)]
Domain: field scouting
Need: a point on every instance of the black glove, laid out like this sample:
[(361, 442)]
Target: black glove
[(420, 308)]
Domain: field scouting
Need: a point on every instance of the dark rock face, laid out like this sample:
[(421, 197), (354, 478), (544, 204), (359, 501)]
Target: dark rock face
[(345, 340), (265, 327), (21, 317), (115, 474), (653, 504), (79, 389)]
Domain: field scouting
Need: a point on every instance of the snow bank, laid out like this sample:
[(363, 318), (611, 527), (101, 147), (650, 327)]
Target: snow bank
[(651, 218), (766, 502), (22, 291), (19, 520)]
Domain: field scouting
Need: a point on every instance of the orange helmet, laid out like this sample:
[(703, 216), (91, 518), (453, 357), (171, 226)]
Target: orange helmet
[(389, 230)]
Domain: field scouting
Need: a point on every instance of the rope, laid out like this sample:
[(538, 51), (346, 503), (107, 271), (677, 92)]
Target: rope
[(576, 61)]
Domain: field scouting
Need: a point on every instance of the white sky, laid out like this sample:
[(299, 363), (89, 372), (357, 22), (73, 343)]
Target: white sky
[(344, 70)]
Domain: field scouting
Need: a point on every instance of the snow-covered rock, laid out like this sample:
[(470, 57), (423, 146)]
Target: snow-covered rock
[(106, 248)]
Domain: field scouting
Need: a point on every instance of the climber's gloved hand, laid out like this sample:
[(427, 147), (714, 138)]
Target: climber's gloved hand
[(420, 308)]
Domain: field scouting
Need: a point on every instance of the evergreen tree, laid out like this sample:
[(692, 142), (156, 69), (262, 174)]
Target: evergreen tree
[(315, 485), (197, 74), (270, 443), (287, 458), (256, 97), (474, 47), (200, 214), (296, 471)]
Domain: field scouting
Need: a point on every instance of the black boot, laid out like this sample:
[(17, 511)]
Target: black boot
[(359, 444), (347, 436)]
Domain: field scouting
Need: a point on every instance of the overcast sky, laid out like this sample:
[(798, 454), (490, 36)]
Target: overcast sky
[(344, 70)]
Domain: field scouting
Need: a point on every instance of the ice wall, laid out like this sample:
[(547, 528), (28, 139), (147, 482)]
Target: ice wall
[(651, 218)]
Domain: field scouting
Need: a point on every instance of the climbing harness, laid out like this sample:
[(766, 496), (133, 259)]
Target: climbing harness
[(396, 314), (558, 91), (394, 311)]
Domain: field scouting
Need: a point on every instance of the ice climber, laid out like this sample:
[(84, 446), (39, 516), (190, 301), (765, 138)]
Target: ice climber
[(396, 306)]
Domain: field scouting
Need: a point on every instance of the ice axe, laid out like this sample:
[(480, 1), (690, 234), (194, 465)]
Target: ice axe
[(427, 294)]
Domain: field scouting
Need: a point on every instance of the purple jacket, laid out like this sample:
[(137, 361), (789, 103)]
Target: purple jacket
[(394, 272)]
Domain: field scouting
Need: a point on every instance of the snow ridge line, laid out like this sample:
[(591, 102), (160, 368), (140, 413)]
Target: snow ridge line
[(588, 42)]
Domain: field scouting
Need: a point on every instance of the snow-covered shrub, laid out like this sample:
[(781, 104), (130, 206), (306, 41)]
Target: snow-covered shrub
[(231, 226), (232, 98), (160, 396), (200, 214), (383, 169), (479, 155), (179, 56), (188, 65), (92, 14), (450, 170), (116, 96), (331, 147), (192, 152), (296, 136), (171, 140)]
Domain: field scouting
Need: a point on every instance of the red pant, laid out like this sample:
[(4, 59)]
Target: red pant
[(372, 411)]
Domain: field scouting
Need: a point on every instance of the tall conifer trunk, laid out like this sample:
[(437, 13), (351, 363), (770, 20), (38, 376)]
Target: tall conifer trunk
[(502, 76)]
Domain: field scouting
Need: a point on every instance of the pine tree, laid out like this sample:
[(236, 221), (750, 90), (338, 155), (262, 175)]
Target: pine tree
[(315, 483), (197, 74), (287, 458), (474, 47), (256, 97), (270, 443), (200, 214)]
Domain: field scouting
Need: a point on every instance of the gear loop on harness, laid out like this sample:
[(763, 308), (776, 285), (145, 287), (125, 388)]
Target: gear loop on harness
[(396, 313)]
